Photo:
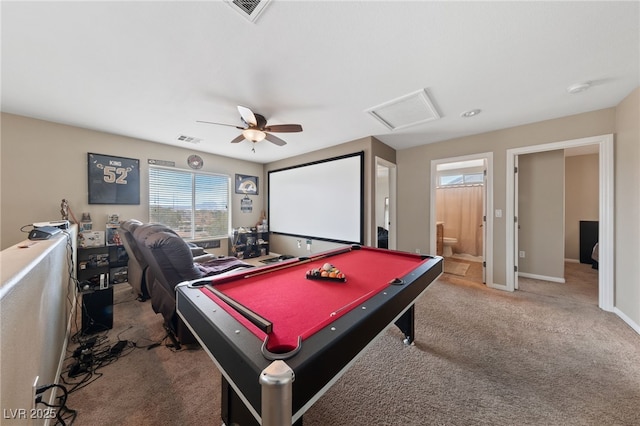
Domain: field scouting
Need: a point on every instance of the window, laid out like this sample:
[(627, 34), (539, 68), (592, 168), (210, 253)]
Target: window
[(462, 179), (194, 204)]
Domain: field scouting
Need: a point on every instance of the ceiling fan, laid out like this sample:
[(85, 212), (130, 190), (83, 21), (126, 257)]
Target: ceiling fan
[(255, 128)]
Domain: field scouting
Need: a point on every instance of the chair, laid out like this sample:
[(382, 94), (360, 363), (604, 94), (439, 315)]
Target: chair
[(171, 262), (137, 264)]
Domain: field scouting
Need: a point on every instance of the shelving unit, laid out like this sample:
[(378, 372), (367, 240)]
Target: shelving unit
[(249, 243), (106, 264), (98, 269)]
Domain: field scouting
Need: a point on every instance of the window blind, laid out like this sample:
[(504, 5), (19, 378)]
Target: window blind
[(194, 204)]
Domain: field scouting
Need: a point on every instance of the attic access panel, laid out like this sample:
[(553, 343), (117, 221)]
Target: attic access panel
[(405, 111)]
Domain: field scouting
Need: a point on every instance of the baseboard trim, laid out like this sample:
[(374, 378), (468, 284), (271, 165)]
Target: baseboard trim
[(626, 319), (541, 277), (572, 260)]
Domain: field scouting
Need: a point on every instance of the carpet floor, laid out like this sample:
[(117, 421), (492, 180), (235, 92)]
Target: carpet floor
[(543, 355)]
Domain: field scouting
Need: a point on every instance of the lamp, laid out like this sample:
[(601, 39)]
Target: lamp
[(254, 135)]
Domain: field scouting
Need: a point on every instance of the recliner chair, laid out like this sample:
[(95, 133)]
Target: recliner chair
[(171, 262), (137, 264)]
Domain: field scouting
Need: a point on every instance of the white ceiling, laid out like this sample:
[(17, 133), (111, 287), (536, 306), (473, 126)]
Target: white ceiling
[(149, 70)]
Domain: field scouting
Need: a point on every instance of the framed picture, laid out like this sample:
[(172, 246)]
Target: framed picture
[(113, 180), (246, 185)]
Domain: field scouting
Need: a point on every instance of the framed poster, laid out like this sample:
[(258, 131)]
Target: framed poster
[(246, 185), (113, 180)]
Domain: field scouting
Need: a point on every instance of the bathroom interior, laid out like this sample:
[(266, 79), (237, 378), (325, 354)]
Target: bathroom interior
[(460, 195)]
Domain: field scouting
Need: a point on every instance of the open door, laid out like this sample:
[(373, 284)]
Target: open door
[(484, 224), (473, 169), (385, 204)]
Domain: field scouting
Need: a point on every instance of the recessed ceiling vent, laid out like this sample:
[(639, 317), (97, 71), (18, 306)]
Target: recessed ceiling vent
[(250, 9), (409, 110), (189, 139)]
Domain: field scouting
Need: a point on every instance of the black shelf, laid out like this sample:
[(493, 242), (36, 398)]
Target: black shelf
[(97, 264), (249, 243)]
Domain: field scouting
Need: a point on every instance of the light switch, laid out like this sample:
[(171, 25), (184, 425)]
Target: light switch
[(498, 213)]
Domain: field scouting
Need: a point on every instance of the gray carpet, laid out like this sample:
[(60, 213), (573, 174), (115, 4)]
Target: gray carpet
[(538, 356)]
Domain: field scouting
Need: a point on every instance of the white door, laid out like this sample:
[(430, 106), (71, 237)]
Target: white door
[(516, 225)]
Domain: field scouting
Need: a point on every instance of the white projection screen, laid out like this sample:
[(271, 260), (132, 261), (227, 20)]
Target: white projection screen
[(323, 200)]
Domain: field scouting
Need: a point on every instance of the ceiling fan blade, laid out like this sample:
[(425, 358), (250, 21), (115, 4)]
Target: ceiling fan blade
[(220, 124), (274, 139), (247, 115), (238, 139), (284, 128)]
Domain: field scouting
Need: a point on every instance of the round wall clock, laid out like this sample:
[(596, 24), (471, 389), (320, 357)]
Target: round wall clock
[(195, 161)]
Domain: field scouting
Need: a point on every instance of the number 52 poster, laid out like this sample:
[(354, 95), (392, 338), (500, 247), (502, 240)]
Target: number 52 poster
[(113, 180)]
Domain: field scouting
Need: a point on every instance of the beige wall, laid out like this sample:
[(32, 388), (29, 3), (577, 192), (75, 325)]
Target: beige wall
[(581, 199), (414, 175), (44, 162), (541, 214), (627, 212)]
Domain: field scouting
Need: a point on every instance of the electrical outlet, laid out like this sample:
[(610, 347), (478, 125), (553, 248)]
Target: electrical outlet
[(417, 251), (34, 391), (521, 253)]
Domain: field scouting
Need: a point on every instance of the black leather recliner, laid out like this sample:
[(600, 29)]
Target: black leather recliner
[(137, 264), (171, 261)]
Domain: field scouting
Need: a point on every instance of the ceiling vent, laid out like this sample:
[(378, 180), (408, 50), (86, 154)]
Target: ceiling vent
[(250, 9), (409, 110), (189, 139)]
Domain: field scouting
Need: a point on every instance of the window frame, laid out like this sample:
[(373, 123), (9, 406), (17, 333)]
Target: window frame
[(463, 176), (193, 176)]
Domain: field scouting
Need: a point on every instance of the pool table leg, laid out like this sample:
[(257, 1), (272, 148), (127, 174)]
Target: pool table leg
[(406, 324), (233, 410), (277, 394)]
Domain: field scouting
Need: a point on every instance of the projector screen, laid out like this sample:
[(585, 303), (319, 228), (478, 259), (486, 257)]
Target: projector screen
[(323, 200)]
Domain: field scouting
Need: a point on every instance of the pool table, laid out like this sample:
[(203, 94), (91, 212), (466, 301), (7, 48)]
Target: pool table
[(281, 336)]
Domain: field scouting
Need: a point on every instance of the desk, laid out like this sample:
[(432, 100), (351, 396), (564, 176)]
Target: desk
[(318, 327)]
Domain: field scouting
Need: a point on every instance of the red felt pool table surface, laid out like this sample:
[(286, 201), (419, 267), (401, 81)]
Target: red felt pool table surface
[(297, 306)]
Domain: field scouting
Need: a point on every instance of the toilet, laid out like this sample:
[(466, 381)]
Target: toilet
[(447, 246)]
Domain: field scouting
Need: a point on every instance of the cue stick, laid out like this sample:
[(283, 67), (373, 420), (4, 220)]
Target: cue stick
[(301, 261), (260, 322)]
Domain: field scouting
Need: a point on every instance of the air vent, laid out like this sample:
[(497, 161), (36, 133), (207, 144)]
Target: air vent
[(250, 9), (409, 110), (189, 139)]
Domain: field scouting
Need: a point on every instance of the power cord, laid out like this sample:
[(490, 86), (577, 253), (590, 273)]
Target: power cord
[(61, 408)]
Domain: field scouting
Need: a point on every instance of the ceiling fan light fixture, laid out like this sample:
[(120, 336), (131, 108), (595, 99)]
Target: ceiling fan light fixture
[(254, 135)]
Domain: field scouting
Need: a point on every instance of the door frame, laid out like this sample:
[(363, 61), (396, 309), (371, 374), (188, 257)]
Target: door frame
[(488, 199), (606, 218), (392, 200)]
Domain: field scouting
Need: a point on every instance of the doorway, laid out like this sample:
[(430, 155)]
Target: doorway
[(461, 230), (604, 144), (385, 204)]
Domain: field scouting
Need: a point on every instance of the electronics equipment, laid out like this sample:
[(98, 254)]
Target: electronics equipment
[(97, 311), (43, 232), (62, 224)]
